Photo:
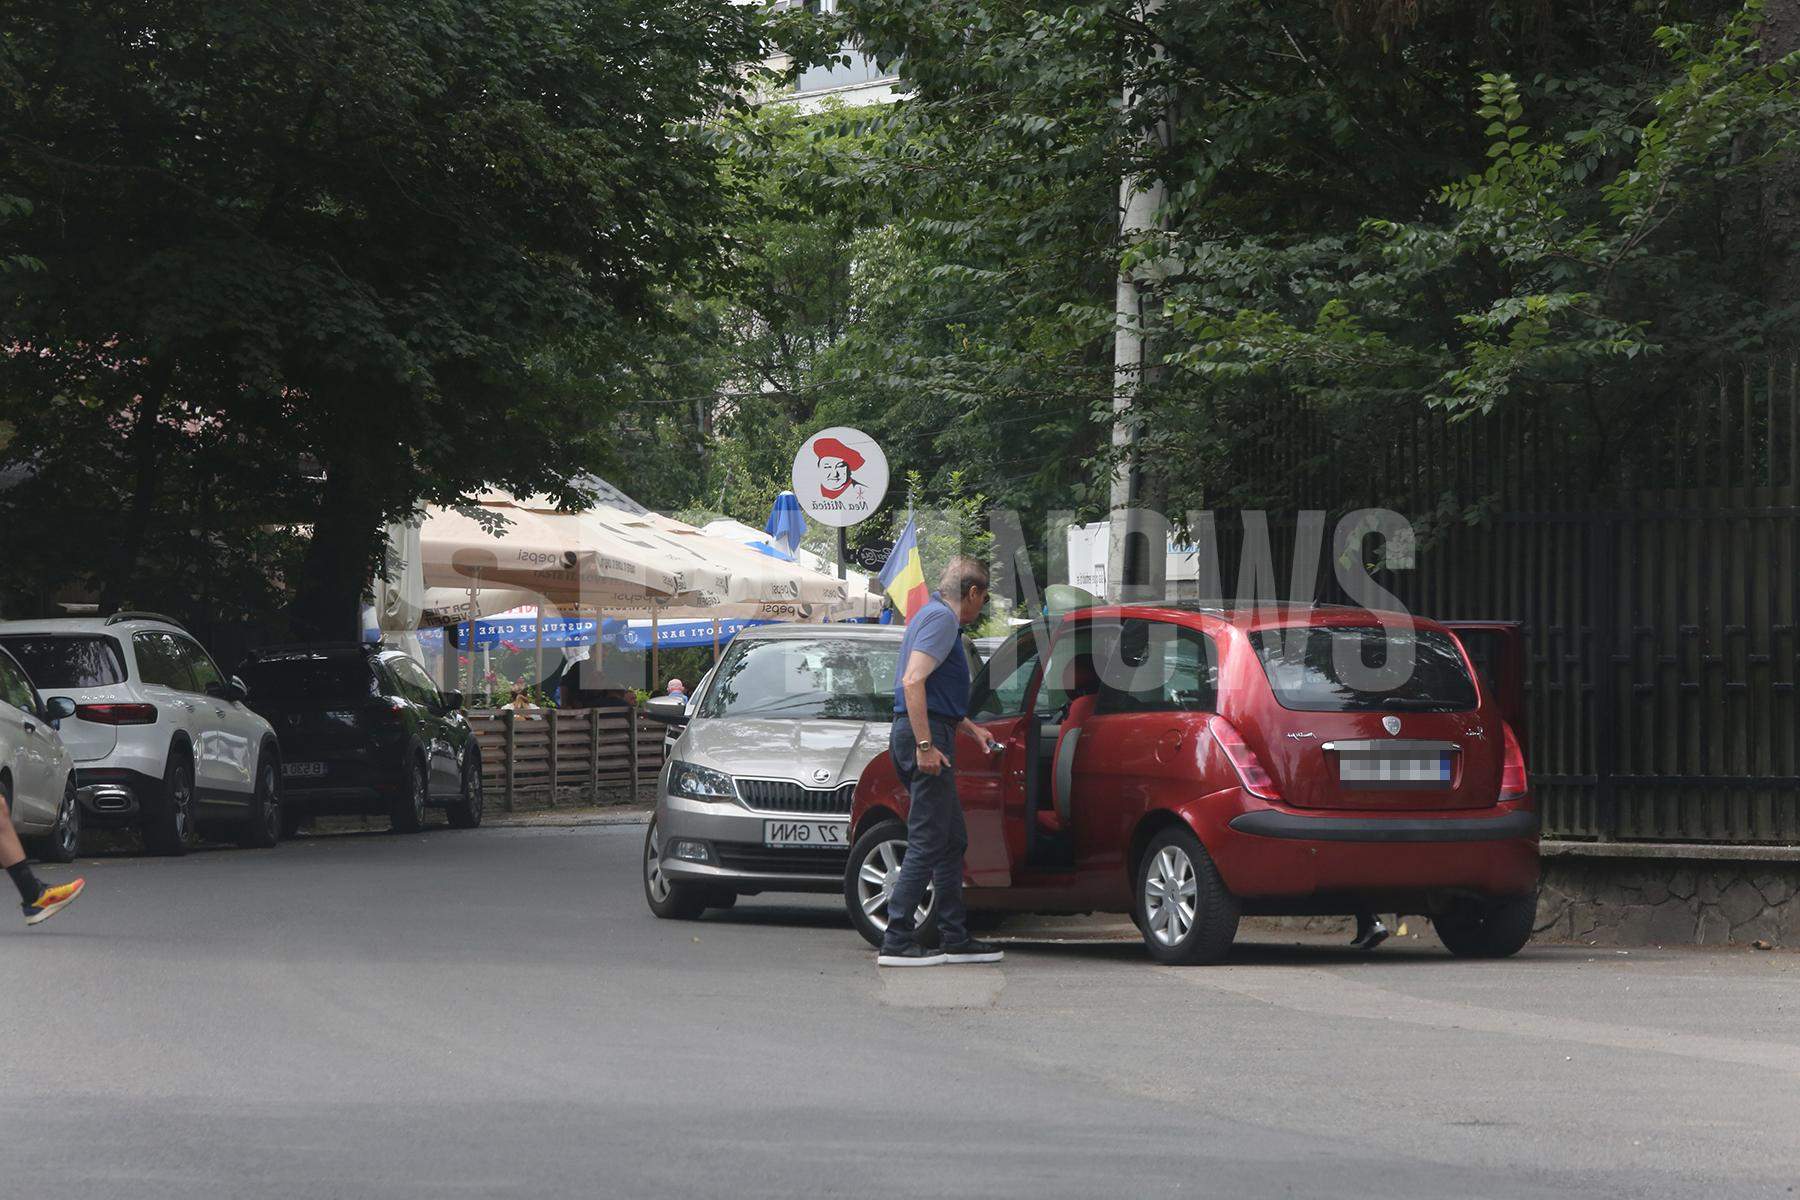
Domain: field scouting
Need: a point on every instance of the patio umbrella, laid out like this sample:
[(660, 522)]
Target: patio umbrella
[(501, 542), (787, 522)]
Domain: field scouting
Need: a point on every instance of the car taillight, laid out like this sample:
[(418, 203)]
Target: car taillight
[(387, 708), (1249, 768), (1513, 780), (117, 714)]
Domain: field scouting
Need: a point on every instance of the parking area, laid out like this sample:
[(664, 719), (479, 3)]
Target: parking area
[(496, 1011)]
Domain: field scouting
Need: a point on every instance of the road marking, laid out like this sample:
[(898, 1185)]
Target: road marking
[(1328, 994), (942, 987)]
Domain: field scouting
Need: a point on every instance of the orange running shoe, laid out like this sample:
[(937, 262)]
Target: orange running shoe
[(53, 901)]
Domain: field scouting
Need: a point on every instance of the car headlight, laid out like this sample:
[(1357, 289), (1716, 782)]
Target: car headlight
[(699, 783)]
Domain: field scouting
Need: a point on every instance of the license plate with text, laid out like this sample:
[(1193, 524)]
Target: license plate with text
[(821, 835), (303, 770)]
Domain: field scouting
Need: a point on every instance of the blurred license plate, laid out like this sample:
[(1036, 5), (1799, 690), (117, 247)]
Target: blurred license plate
[(822, 835), (303, 770), (1426, 770)]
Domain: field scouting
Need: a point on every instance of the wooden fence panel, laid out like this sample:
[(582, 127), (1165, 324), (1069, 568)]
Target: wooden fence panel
[(585, 751)]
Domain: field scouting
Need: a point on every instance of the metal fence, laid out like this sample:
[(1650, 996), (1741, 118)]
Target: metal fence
[(1659, 612)]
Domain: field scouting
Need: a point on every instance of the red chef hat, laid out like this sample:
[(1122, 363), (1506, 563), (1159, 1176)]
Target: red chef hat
[(832, 448)]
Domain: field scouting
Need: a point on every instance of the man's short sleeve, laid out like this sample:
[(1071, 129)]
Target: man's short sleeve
[(937, 633)]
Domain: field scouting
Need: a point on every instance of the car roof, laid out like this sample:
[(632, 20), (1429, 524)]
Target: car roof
[(877, 633), (88, 625), (1251, 617)]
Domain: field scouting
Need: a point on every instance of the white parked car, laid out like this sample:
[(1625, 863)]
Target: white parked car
[(37, 773), (755, 796), (162, 740)]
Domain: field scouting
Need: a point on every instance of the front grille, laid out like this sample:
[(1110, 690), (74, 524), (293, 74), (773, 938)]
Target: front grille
[(784, 795), (740, 857)]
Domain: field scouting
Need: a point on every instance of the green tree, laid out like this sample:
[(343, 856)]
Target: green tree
[(384, 254)]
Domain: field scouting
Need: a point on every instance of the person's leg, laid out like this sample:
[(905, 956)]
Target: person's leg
[(12, 860), (1370, 932), (924, 841), (947, 870), (39, 900)]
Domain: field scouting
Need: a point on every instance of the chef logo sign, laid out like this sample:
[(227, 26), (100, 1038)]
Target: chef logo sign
[(840, 476)]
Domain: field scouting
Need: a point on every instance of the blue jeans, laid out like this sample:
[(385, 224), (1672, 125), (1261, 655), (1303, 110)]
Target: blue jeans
[(935, 840)]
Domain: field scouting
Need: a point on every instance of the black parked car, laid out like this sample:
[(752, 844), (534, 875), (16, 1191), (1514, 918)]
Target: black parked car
[(363, 729)]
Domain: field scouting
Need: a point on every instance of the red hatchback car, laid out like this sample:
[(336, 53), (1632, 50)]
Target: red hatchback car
[(1192, 765)]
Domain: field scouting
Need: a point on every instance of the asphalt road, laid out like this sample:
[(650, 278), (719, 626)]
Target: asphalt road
[(496, 1014)]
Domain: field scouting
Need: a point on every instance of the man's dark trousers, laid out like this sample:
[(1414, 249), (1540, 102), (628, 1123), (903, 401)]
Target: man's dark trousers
[(935, 839)]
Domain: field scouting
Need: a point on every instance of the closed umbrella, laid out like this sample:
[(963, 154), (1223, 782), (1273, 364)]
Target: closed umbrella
[(787, 522)]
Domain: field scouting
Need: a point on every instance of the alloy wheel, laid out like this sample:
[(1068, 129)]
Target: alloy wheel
[(472, 789), (181, 807), (418, 795), (271, 805), (68, 824), (1171, 895), (654, 878), (875, 880)]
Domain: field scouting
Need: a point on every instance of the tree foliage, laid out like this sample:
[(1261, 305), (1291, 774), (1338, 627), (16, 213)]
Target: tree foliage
[(374, 254)]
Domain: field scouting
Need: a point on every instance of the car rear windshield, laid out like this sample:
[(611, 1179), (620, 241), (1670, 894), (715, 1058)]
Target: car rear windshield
[(323, 677), (1364, 669), (61, 661), (849, 679)]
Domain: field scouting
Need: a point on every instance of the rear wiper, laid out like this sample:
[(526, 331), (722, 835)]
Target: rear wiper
[(1416, 704)]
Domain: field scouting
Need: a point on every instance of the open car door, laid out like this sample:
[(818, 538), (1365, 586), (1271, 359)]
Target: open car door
[(1497, 648)]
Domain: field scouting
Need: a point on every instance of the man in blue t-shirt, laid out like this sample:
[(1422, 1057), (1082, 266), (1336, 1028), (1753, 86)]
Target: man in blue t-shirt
[(931, 702)]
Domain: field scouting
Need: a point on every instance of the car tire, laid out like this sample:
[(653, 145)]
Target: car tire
[(869, 878), (1187, 914), (63, 843), (668, 899), (408, 812), (465, 812), (261, 830), (170, 825), (1497, 929)]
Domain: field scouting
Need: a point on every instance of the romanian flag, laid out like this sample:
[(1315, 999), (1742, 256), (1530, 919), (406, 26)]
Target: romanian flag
[(903, 575)]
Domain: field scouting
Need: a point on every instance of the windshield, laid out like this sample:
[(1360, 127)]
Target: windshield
[(1364, 669), (309, 677), (68, 662), (847, 679)]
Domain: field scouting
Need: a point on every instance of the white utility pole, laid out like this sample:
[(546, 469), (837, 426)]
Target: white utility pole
[(1141, 197)]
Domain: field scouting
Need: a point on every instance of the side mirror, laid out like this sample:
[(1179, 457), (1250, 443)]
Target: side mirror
[(452, 700), (666, 710), (59, 708), (229, 691), (232, 691)]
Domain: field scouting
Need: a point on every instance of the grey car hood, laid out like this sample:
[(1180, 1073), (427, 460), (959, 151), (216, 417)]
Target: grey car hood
[(770, 748)]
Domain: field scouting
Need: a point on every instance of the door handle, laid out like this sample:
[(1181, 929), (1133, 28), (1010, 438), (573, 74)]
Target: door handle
[(220, 711), (29, 727)]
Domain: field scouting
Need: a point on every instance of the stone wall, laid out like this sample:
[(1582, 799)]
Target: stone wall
[(1669, 896)]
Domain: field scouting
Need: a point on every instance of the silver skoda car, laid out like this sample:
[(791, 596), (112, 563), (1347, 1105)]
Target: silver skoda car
[(755, 796)]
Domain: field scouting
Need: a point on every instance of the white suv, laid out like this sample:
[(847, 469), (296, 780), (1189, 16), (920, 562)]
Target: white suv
[(161, 738)]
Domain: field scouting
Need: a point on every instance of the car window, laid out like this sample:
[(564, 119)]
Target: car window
[(15, 689), (414, 683), (59, 661), (199, 664), (1364, 669), (161, 662), (1162, 667), (1003, 680), (823, 677), (303, 676)]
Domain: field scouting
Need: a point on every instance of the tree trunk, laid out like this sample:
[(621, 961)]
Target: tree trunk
[(341, 556), (1780, 232), (118, 587)]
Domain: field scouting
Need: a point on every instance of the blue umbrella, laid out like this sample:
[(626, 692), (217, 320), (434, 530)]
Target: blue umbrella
[(787, 522)]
